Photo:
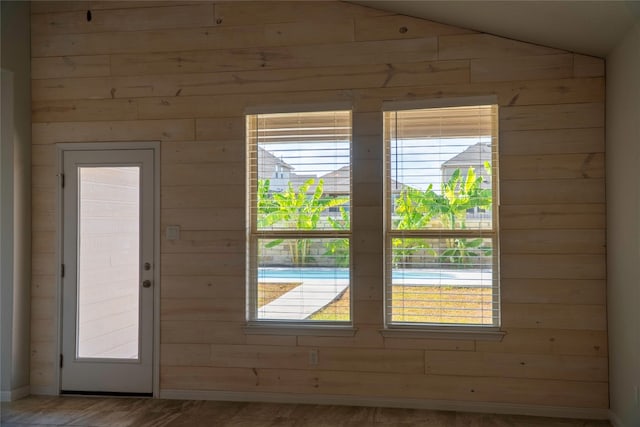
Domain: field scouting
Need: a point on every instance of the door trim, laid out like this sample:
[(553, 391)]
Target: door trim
[(94, 146)]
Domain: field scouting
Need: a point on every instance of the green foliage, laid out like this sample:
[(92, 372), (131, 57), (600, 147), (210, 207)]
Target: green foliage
[(417, 210), (339, 248), (414, 210), (293, 210), (460, 250), (458, 196)]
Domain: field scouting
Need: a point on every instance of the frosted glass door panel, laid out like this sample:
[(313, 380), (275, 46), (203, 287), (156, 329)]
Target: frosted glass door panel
[(108, 262)]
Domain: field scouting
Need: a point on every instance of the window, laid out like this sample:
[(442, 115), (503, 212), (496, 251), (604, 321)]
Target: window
[(441, 243), (299, 225)]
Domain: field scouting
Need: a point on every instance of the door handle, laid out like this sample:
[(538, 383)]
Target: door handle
[(146, 284)]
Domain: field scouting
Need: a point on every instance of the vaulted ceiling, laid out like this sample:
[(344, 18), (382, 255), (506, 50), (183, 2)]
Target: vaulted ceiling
[(588, 27)]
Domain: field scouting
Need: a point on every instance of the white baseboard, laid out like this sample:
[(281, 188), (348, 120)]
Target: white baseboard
[(440, 405), (15, 394)]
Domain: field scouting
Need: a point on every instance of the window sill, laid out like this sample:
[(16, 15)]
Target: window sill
[(444, 333), (298, 329)]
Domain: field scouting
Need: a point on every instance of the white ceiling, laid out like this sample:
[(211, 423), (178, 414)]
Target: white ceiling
[(588, 27)]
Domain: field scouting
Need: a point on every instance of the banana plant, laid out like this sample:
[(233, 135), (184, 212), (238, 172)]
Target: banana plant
[(416, 209), (339, 248), (294, 210), (459, 195)]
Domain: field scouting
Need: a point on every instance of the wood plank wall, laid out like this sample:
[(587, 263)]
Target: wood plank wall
[(184, 72)]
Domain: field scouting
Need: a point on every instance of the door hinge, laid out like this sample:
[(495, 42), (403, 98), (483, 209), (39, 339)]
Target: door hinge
[(61, 270), (61, 359), (62, 180)]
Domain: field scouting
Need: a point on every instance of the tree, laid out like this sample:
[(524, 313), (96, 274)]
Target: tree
[(417, 210), (293, 210), (339, 248)]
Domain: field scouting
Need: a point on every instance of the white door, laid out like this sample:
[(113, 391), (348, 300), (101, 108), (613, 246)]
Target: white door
[(108, 271)]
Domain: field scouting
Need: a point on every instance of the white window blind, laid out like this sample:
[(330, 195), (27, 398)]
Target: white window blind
[(299, 217), (441, 217)]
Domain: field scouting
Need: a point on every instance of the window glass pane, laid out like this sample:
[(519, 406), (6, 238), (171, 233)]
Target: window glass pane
[(303, 279), (108, 262), (300, 221), (442, 280), (440, 168), (303, 173)]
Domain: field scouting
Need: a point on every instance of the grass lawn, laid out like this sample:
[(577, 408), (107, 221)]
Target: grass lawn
[(432, 304), (268, 292), (337, 310), (441, 304)]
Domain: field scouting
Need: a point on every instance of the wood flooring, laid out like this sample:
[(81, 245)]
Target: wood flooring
[(121, 412)]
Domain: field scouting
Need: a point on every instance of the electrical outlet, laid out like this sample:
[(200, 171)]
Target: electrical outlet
[(313, 357)]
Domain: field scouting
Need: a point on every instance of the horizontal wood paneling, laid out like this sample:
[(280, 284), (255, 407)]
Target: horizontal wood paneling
[(66, 6), (556, 141), (71, 67), (549, 341), (184, 74), (560, 166), (257, 12), (588, 66), (321, 55), (556, 392), (552, 266), (131, 19), (561, 316), (553, 216), (549, 191), (202, 196), (575, 368), (194, 38), (559, 291), (283, 357), (200, 331), (179, 264), (137, 130), (471, 46), (225, 310), (367, 336), (522, 68), (553, 241), (84, 110), (193, 286), (552, 117), (401, 27)]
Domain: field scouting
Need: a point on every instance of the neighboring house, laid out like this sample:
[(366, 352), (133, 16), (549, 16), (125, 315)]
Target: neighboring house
[(276, 170), (473, 157)]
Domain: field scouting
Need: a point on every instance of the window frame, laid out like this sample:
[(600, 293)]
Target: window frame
[(396, 329), (258, 326)]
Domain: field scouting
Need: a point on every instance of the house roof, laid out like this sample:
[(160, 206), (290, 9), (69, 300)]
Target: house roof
[(267, 154), (477, 154)]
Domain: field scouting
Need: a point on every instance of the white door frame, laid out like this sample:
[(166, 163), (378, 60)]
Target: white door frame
[(94, 146)]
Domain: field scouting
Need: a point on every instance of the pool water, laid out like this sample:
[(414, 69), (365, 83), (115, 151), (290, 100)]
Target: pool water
[(343, 273)]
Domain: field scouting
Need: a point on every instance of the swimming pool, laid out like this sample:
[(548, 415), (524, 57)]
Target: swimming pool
[(314, 273)]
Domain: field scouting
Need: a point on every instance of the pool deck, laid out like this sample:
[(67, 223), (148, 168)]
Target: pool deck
[(314, 294), (304, 300)]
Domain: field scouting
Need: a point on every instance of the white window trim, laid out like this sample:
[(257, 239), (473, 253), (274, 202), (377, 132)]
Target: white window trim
[(433, 330), (286, 327)]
